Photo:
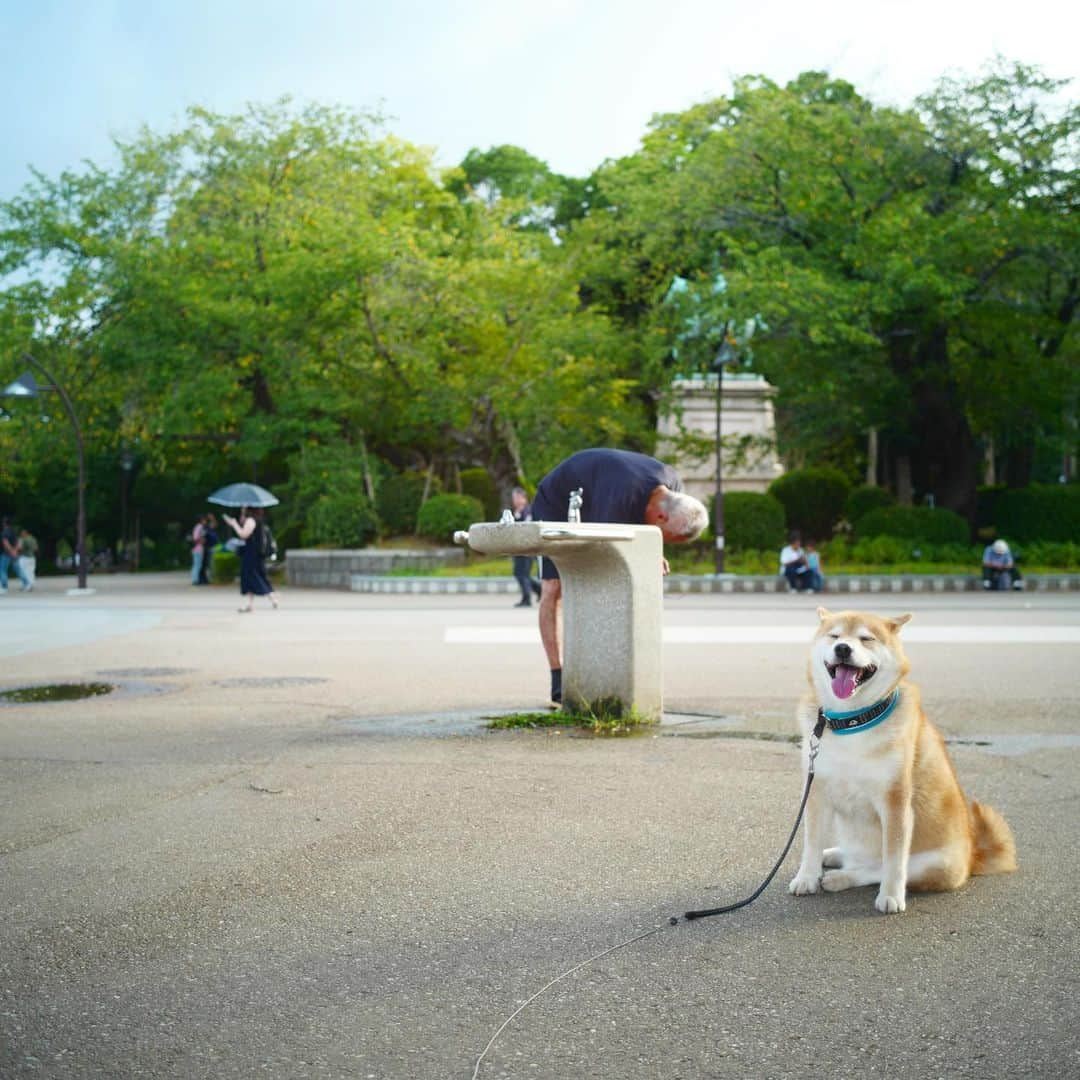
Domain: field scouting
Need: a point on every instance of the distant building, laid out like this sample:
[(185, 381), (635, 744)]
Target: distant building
[(748, 431)]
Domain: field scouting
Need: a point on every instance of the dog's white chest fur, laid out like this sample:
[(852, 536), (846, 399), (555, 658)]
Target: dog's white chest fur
[(851, 779)]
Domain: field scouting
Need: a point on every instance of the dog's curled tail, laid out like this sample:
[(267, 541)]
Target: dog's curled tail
[(995, 848)]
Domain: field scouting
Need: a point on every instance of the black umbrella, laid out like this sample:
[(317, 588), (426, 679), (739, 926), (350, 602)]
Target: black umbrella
[(243, 495)]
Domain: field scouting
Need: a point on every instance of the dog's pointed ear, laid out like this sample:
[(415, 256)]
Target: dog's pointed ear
[(824, 613), (899, 620)]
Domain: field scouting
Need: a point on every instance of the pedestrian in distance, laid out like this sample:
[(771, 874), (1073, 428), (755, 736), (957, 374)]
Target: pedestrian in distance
[(210, 542), (523, 564), (255, 534), (9, 556), (198, 534), (617, 486), (28, 550)]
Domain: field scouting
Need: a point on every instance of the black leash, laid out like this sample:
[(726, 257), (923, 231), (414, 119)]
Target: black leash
[(815, 741)]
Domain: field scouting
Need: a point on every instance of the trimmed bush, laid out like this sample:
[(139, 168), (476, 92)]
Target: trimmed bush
[(751, 521), (864, 498), (440, 517), (1039, 512), (226, 567), (398, 501), (882, 550), (933, 526), (1063, 554), (478, 484), (813, 499), (345, 521)]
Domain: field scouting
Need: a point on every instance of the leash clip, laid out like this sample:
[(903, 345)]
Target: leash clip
[(815, 740)]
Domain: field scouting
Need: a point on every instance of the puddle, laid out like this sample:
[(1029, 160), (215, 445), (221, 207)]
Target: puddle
[(673, 725), (56, 692), (431, 724), (684, 725)]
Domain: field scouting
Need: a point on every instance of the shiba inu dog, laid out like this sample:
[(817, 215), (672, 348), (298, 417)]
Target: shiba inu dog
[(885, 807)]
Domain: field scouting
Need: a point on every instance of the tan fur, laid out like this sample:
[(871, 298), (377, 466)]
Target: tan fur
[(886, 806)]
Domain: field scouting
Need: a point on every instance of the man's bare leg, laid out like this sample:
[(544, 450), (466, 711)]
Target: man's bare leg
[(550, 603)]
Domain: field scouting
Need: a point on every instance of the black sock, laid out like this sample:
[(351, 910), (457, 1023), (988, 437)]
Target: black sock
[(556, 685)]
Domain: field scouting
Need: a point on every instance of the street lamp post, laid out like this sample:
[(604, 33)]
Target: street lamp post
[(27, 386), (725, 356), (127, 463)]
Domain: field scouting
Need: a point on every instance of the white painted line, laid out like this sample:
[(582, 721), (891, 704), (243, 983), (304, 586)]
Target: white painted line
[(789, 635)]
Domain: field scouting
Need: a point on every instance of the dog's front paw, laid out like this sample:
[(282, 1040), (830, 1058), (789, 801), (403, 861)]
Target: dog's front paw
[(803, 884), (889, 904)]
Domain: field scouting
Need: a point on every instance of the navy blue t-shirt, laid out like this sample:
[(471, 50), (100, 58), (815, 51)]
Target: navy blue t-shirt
[(616, 486)]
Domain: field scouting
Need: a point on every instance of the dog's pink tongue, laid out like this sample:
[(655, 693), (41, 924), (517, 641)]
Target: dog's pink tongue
[(843, 684)]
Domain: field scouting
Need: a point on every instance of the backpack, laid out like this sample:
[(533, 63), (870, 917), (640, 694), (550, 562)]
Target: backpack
[(267, 543)]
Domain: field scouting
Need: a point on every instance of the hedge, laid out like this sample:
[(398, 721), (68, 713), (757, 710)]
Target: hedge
[(864, 498), (478, 484), (813, 499), (934, 526), (1039, 512), (398, 501), (341, 521), (752, 521), (440, 517)]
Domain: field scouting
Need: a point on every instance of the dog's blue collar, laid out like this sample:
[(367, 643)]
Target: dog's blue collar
[(847, 723)]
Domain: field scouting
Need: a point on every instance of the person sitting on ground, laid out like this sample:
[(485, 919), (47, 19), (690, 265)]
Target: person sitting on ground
[(813, 566), (999, 568), (617, 486), (793, 563)]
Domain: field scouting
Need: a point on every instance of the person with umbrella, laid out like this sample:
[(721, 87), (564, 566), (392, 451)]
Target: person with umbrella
[(253, 531)]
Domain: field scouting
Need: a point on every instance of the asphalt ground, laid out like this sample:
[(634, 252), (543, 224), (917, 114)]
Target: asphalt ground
[(286, 846)]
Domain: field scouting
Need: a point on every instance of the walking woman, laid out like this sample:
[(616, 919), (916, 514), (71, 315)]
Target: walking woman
[(253, 578)]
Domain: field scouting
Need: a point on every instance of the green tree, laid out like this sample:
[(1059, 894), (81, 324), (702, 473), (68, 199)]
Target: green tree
[(902, 270)]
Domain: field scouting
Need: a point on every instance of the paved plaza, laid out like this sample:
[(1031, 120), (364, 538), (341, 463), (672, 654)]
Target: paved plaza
[(286, 846)]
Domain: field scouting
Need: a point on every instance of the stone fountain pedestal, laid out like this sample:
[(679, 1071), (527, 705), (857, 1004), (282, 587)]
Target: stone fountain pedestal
[(612, 588)]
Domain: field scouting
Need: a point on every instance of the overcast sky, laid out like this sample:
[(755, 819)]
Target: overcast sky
[(572, 81)]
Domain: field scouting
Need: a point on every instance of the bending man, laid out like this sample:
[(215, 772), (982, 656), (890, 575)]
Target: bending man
[(620, 487)]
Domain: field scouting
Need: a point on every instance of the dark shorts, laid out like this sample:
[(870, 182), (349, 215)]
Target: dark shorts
[(548, 570)]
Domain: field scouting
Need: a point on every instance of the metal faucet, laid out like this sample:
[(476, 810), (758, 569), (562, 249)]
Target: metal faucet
[(573, 514)]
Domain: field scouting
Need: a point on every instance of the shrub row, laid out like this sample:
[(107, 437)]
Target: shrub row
[(1038, 512), (812, 500)]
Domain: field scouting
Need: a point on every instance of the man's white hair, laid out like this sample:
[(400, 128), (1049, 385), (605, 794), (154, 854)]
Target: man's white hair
[(687, 516)]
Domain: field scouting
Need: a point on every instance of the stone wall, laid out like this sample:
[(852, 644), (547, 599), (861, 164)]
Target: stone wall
[(316, 568)]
